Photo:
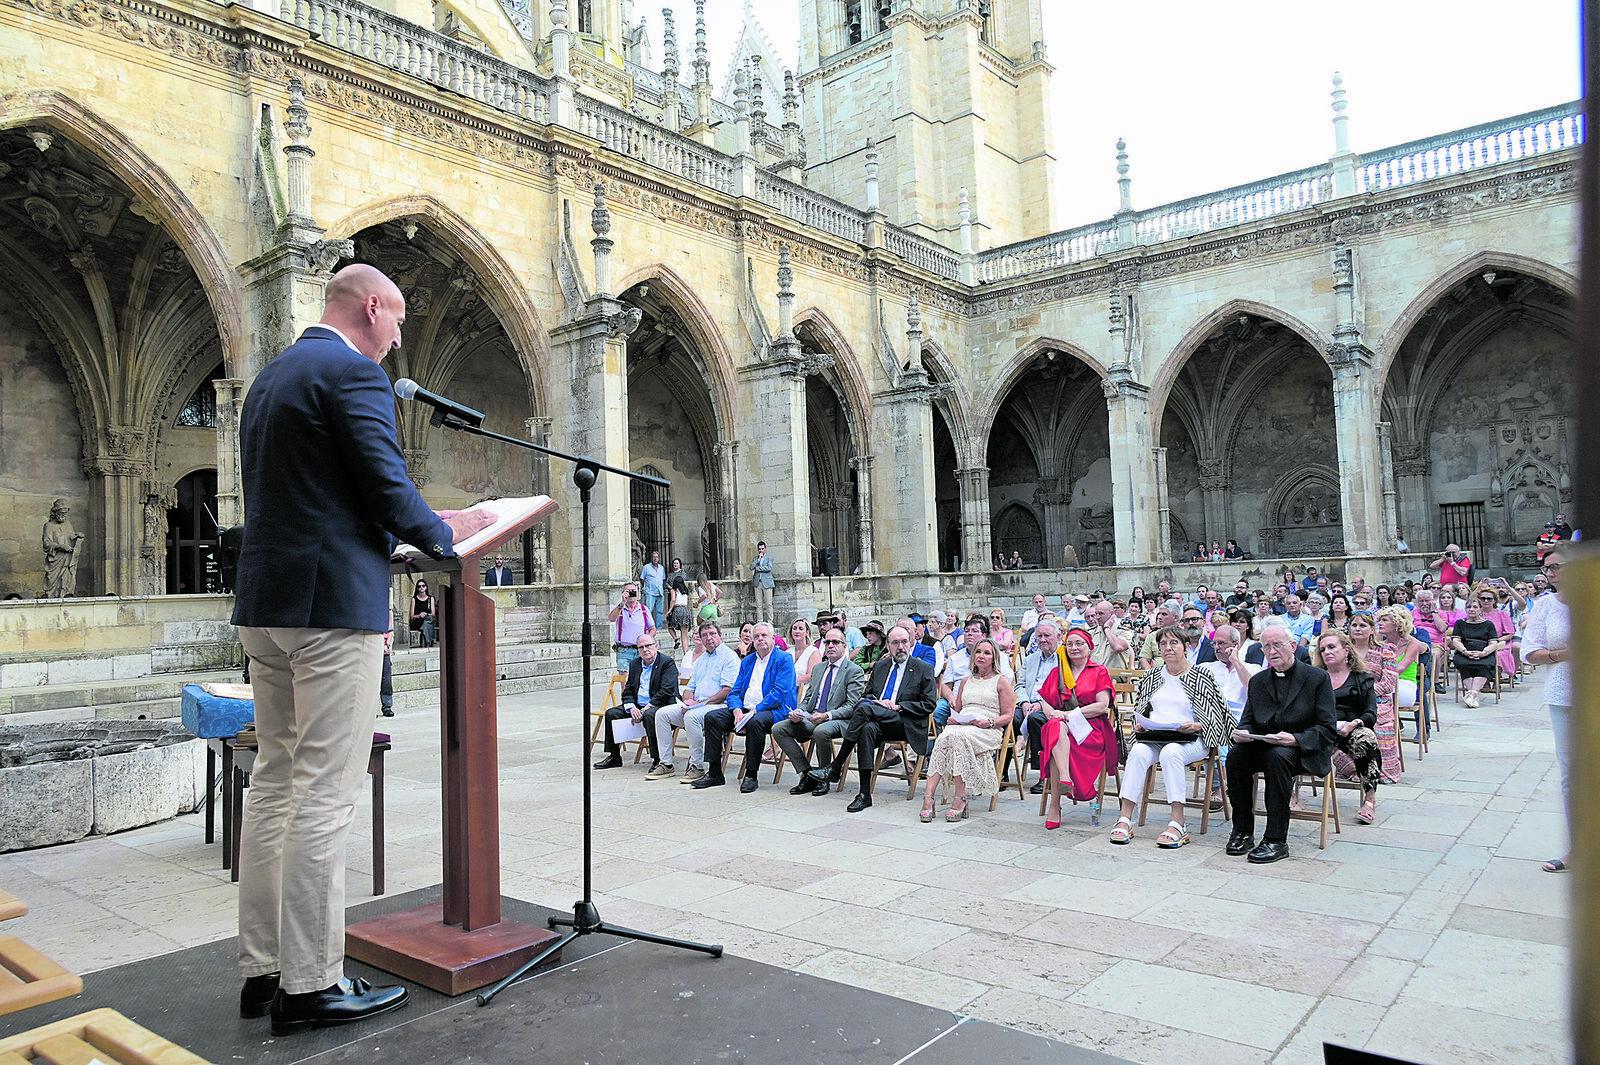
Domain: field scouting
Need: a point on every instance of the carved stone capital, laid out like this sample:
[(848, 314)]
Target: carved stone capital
[(623, 323)]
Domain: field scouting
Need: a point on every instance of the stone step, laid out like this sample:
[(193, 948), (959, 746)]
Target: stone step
[(521, 668)]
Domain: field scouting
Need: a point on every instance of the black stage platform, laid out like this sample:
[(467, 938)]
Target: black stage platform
[(610, 1002)]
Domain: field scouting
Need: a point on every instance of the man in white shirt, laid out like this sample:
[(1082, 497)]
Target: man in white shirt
[(1031, 616), (1112, 648), (714, 674), (1230, 669)]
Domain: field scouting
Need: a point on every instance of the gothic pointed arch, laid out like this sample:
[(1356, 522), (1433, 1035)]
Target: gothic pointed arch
[(846, 374), (161, 199), (517, 313), (710, 348), (1474, 265), (1018, 366), (1301, 514), (1017, 529), (1173, 363), (954, 401)]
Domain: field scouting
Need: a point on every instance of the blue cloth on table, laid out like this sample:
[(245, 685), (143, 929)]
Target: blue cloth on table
[(210, 716)]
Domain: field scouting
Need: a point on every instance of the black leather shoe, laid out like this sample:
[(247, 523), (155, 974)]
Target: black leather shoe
[(346, 1001), (821, 787), (256, 998), (709, 781), (859, 803), (1240, 843), (826, 774), (890, 762), (1267, 853), (805, 785), (747, 785), (387, 711), (1037, 789), (610, 761)]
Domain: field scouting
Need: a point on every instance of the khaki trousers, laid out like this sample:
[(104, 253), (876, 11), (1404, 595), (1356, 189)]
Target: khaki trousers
[(316, 692)]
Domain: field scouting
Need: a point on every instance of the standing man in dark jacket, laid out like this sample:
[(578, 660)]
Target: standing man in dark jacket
[(1287, 728), (327, 495)]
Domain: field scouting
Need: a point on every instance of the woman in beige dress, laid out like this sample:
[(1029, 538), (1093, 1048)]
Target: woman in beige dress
[(964, 751)]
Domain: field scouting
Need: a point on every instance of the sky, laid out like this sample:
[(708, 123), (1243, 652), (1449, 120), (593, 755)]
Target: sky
[(1210, 95)]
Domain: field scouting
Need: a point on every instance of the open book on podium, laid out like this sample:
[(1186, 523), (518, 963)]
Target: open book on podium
[(513, 515), (461, 942)]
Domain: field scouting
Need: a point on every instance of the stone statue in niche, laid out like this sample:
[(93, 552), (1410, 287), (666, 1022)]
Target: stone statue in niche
[(638, 548), (61, 543)]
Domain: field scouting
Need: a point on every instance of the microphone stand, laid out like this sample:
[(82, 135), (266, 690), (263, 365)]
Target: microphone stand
[(585, 919)]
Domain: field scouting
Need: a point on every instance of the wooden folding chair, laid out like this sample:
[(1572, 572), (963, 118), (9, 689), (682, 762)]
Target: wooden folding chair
[(1201, 786), (598, 714), (1330, 804), (1008, 751)]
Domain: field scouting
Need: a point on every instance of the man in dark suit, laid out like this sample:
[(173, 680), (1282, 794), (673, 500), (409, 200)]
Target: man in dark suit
[(1197, 643), (1287, 728), (499, 573), (835, 686), (327, 494), (900, 696), (652, 684), (763, 693)]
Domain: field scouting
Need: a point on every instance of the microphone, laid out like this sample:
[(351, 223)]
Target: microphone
[(406, 388)]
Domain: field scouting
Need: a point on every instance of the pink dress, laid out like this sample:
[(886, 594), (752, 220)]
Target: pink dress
[(1505, 627)]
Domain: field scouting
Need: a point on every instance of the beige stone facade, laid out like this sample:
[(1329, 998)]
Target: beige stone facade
[(1300, 370)]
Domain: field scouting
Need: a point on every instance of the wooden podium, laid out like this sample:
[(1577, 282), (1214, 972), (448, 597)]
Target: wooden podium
[(463, 943)]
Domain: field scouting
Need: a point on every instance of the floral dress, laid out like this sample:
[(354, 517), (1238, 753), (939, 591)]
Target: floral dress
[(967, 751), (1388, 727)]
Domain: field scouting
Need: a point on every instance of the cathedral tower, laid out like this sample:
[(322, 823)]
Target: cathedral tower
[(955, 93)]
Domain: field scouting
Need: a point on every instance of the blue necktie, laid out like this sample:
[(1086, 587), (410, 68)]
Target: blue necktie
[(888, 689), (822, 693)]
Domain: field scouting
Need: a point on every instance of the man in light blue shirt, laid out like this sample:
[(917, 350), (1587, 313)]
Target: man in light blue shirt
[(713, 677), (653, 581), (1301, 623)]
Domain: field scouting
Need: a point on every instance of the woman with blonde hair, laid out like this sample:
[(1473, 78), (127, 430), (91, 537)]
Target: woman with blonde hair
[(983, 704), (806, 653), (707, 596), (1355, 700)]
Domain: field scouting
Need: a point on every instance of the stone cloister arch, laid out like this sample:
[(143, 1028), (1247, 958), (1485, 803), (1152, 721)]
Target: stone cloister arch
[(1478, 407), (459, 341), (836, 431), (961, 535), (119, 299), (675, 424), (1048, 447), (1251, 401)]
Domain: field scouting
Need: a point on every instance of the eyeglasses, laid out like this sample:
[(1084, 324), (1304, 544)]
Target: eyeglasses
[(834, 643), (1551, 567), (1487, 599)]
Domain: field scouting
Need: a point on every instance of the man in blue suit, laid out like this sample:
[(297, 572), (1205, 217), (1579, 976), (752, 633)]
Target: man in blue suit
[(326, 489), (764, 692)]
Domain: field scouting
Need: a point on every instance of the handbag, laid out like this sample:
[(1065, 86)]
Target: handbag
[(1163, 736)]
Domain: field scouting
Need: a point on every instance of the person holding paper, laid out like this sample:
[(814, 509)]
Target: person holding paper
[(715, 671), (1355, 700), (964, 751), (1078, 741), (834, 689), (1179, 713), (328, 497), (652, 683), (1287, 728), (764, 691)]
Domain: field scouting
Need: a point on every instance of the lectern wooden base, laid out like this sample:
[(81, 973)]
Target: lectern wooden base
[(417, 945)]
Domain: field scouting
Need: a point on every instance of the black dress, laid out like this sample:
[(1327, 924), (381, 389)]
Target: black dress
[(1474, 636), (1357, 700)]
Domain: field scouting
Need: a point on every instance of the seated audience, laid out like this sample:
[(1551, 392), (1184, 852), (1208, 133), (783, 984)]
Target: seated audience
[(1475, 642), (715, 672), (1355, 701), (1287, 728), (652, 683), (764, 692), (1087, 689), (982, 708), (1180, 712), (872, 649)]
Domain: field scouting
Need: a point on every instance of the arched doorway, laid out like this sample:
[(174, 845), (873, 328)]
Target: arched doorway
[(1049, 449), (192, 563), (1252, 405), (1479, 406)]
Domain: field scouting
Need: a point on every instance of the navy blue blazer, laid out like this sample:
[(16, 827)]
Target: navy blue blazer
[(325, 491)]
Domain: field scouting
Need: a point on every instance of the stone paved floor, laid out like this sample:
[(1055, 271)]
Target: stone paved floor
[(1432, 935)]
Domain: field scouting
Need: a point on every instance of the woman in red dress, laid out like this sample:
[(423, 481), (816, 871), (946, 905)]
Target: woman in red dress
[(1088, 689)]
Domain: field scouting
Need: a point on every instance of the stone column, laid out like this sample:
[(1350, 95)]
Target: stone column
[(593, 414), (1391, 517), (538, 561), (1054, 499), (1163, 531), (115, 526), (1138, 473), (727, 511), (1414, 508), (1362, 489), (909, 516), (977, 535), (862, 464), (230, 401), (1214, 499)]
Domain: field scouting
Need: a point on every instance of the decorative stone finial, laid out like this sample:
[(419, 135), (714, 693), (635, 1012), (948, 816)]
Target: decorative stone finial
[(914, 317), (669, 45), (1341, 121), (758, 106), (298, 151), (702, 61), (785, 293), (600, 222), (1124, 182), (872, 175)]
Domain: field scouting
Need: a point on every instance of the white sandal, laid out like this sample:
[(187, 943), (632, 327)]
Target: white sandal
[(1173, 836), (1122, 831)]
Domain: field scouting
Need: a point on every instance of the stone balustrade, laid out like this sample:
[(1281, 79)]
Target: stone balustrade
[(811, 207), (1554, 129), (922, 253)]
